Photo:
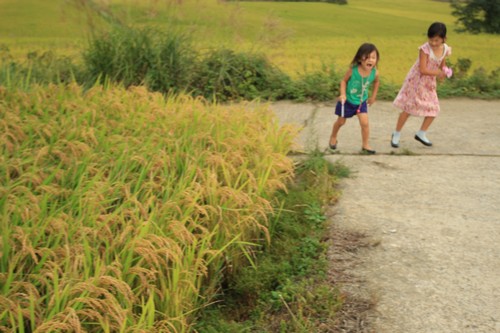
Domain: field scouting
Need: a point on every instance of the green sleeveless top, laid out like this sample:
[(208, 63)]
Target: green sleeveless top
[(358, 85)]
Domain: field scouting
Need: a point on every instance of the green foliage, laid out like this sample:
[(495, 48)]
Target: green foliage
[(287, 290), (227, 75), (461, 68), (172, 65), (321, 85), (479, 84), (477, 15), (162, 61), (123, 55)]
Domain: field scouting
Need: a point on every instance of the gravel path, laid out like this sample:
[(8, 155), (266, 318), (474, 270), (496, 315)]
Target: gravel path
[(433, 213)]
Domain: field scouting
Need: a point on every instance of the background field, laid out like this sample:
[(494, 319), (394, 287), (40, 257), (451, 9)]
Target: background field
[(295, 36)]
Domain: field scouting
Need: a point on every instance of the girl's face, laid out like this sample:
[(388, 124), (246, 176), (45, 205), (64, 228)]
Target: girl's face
[(436, 41), (369, 61)]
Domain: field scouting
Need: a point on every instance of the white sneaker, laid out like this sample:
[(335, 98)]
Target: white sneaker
[(395, 140), (423, 139)]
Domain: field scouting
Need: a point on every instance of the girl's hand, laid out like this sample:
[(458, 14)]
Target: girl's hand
[(447, 71), (342, 99), (441, 75), (370, 101)]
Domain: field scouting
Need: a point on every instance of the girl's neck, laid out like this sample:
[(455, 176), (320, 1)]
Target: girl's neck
[(438, 50)]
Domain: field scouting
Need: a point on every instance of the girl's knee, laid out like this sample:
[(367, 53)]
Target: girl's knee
[(341, 121)]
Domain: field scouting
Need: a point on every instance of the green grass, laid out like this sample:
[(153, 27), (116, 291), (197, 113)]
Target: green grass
[(296, 36)]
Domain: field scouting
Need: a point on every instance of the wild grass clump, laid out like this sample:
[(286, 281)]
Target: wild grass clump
[(164, 61), (122, 210), (224, 75), (288, 290)]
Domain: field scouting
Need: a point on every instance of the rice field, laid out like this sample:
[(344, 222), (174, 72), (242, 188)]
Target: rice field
[(296, 36), (120, 210)]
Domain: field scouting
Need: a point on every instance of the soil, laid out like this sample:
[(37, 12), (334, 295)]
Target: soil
[(416, 231)]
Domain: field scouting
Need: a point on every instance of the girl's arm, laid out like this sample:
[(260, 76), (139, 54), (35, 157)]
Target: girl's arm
[(442, 64), (424, 58), (343, 85), (376, 84)]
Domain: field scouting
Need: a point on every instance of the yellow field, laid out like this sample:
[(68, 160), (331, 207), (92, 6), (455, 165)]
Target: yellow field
[(295, 36)]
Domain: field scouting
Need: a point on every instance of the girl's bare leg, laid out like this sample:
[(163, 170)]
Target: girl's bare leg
[(335, 129), (426, 123), (365, 130), (403, 117)]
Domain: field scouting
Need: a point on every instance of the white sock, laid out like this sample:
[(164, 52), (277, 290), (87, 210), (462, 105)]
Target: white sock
[(421, 135), (396, 136)]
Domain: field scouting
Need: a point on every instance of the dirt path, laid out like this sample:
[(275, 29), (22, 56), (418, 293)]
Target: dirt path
[(434, 216)]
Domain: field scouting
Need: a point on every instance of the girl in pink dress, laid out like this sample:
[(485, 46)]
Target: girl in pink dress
[(418, 96)]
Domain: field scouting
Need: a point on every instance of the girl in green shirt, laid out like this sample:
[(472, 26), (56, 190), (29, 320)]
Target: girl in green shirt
[(353, 99)]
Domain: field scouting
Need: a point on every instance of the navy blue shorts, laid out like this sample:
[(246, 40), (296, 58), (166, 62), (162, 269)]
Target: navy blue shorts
[(350, 109)]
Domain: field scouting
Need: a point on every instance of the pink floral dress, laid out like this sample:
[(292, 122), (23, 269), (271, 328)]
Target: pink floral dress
[(418, 95)]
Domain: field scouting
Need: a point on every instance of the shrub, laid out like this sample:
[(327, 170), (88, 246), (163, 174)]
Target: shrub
[(122, 55), (479, 84), (162, 61), (172, 65), (226, 75), (321, 85)]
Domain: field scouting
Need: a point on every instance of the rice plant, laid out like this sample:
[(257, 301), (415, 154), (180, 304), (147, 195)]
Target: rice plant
[(121, 210)]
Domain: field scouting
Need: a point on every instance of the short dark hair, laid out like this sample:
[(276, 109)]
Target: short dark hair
[(364, 51), (437, 29)]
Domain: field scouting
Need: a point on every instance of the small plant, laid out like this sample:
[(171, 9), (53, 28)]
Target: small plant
[(404, 152), (314, 214)]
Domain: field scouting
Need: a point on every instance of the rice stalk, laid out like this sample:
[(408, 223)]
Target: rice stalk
[(124, 209)]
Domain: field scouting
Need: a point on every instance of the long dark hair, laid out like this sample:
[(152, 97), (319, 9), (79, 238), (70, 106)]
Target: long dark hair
[(363, 52), (437, 29)]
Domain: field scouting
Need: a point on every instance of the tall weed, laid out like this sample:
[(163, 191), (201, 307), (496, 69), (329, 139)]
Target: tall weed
[(162, 60)]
